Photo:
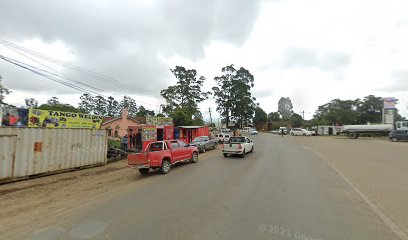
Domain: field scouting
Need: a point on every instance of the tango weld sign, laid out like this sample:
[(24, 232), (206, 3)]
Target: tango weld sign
[(58, 119)]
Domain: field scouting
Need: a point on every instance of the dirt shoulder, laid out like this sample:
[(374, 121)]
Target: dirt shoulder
[(377, 167)]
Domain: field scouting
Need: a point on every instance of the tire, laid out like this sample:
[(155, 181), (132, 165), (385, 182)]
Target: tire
[(243, 154), (252, 149), (203, 150), (304, 134), (225, 154), (194, 158), (292, 134), (165, 167), (394, 139), (352, 135), (144, 171)]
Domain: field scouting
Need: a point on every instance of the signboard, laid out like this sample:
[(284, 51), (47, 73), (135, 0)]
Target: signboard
[(58, 119), (389, 103), (149, 134), (388, 116), (11, 116), (159, 121)]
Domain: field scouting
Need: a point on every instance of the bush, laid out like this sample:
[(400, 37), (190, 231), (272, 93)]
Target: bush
[(114, 143)]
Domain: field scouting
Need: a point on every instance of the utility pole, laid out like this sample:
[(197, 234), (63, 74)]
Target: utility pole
[(209, 110)]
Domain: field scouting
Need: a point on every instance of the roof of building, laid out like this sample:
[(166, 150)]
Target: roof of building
[(191, 127)]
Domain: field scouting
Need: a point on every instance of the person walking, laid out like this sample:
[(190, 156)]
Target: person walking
[(124, 142), (282, 131)]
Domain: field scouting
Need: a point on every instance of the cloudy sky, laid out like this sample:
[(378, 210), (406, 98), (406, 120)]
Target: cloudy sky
[(309, 50)]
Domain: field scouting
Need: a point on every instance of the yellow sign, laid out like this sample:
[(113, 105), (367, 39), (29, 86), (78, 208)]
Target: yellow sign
[(58, 119)]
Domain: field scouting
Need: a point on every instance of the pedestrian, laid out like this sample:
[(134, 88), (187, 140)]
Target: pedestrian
[(124, 142), (282, 131)]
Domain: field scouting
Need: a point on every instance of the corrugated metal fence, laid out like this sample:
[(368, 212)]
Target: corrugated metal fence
[(30, 151)]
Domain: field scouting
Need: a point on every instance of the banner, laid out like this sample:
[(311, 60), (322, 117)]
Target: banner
[(58, 119), (159, 121), (388, 116), (389, 103), (149, 134), (11, 116)]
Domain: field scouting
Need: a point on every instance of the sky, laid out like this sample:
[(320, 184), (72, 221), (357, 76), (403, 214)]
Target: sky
[(312, 51)]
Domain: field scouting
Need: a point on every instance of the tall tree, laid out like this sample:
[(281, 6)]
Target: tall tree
[(274, 116), (31, 103), (370, 109), (3, 91), (186, 94), (232, 94), (87, 103), (60, 107), (338, 112), (53, 101), (100, 106), (112, 107), (285, 108), (260, 116), (130, 104), (143, 112)]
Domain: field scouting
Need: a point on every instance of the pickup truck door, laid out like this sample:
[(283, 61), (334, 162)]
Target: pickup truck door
[(185, 150), (156, 152), (176, 151)]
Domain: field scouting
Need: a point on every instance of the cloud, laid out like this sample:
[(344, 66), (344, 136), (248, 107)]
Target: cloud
[(130, 40), (308, 58), (400, 84)]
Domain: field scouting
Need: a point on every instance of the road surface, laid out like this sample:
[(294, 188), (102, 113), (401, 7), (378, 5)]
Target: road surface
[(281, 191)]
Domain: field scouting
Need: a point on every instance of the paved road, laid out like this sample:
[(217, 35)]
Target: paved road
[(281, 191)]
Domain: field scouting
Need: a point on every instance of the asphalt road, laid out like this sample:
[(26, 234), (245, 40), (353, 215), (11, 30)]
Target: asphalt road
[(281, 191)]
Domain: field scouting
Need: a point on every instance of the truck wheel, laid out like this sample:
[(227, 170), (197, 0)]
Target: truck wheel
[(144, 171), (225, 154), (243, 154), (194, 158), (165, 167), (352, 135), (394, 139)]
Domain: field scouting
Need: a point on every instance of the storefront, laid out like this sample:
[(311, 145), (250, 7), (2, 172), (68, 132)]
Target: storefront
[(188, 133)]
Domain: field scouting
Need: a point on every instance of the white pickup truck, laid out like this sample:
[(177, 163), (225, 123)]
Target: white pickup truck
[(238, 146)]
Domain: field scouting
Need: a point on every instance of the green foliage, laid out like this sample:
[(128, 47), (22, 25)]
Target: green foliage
[(109, 107), (160, 115), (274, 116), (87, 103), (182, 99), (130, 104), (143, 112), (3, 91), (285, 108), (112, 107), (296, 120), (233, 95), (60, 107), (114, 144), (260, 116), (370, 109), (53, 101), (31, 103)]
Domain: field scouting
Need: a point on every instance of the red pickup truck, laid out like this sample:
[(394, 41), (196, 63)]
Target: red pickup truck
[(162, 155)]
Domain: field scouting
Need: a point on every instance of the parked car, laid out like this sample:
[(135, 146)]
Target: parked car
[(162, 155), (238, 146), (253, 132), (275, 131), (246, 129), (204, 143), (223, 137), (312, 132), (300, 132), (398, 135), (284, 129)]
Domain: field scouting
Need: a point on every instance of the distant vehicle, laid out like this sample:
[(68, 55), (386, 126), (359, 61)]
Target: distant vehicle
[(300, 132), (162, 155), (246, 129), (238, 146), (398, 135), (312, 131), (285, 130), (253, 132), (354, 131), (204, 143), (275, 131), (222, 137), (226, 130)]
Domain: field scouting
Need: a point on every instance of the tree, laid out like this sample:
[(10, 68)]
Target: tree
[(130, 104), (184, 97), (274, 116), (100, 106), (296, 120), (260, 116), (337, 112), (3, 91), (112, 107), (233, 95), (61, 107), (160, 115), (181, 117), (87, 103), (285, 108), (31, 103), (370, 110), (143, 112), (53, 101)]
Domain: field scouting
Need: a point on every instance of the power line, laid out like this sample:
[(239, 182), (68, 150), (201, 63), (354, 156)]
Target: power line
[(78, 69)]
